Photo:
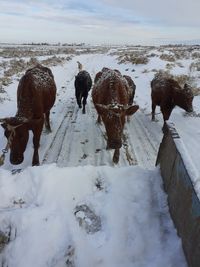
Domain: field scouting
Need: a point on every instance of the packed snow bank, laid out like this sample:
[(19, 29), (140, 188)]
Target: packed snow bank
[(87, 216)]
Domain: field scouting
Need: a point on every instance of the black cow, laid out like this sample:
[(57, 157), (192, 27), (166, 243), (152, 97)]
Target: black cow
[(83, 84)]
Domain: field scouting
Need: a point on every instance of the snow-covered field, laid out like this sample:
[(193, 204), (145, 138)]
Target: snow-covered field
[(78, 209)]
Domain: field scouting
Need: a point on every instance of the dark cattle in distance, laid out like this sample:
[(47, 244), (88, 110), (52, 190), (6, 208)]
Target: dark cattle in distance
[(36, 95), (111, 100), (167, 93), (83, 84)]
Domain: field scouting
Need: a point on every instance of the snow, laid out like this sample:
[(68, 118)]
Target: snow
[(136, 229), (43, 207), (189, 165)]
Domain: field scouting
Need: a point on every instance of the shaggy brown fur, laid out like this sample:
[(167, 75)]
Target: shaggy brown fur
[(36, 95), (111, 101), (166, 93)]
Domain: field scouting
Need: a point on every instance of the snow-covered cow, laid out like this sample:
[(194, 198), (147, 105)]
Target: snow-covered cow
[(167, 93), (132, 88), (36, 95), (111, 100)]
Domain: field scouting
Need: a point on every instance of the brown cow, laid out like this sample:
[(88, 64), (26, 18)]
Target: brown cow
[(99, 74), (132, 88), (167, 93), (35, 97), (104, 69), (111, 101)]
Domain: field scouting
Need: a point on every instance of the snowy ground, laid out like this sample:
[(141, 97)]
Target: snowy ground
[(50, 209), (129, 225)]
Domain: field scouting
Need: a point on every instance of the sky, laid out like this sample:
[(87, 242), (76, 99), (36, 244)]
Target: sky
[(100, 21)]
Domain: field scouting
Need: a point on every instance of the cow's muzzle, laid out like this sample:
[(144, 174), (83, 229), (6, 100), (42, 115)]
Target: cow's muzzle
[(16, 160)]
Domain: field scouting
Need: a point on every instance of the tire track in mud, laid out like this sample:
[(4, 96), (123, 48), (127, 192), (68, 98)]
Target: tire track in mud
[(79, 140), (52, 153), (143, 140), (83, 143), (72, 144)]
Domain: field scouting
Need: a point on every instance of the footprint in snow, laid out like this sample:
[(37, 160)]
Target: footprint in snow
[(100, 185), (69, 257), (87, 219)]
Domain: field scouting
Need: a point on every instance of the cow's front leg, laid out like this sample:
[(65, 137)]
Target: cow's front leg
[(166, 111), (36, 144), (116, 156)]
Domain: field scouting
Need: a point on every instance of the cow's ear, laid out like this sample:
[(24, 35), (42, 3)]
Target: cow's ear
[(3, 125), (102, 109), (131, 110), (3, 122)]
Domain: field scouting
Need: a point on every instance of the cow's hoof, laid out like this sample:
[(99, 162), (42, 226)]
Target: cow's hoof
[(115, 159), (108, 147), (99, 120), (35, 164), (116, 156), (48, 130), (154, 120)]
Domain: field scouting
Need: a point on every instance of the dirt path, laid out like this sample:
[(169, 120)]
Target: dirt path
[(79, 140)]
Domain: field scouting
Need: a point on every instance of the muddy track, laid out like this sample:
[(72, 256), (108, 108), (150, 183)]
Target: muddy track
[(144, 139), (79, 140), (52, 153), (71, 145)]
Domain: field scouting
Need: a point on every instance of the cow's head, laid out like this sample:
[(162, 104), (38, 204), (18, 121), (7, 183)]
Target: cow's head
[(187, 98), (113, 117), (17, 134)]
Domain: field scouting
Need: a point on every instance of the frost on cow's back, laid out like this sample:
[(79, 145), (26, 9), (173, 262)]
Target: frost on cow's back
[(41, 78)]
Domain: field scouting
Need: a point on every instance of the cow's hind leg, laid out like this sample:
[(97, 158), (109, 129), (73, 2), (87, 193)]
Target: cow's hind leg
[(84, 103), (153, 106), (116, 156), (78, 98), (99, 119), (47, 122), (166, 111), (36, 142), (79, 102)]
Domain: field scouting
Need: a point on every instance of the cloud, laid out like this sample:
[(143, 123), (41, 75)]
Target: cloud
[(127, 21), (68, 12), (182, 13)]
